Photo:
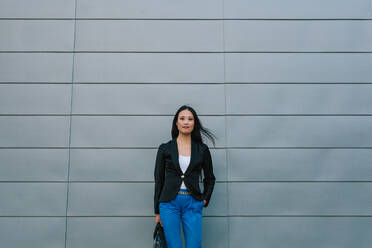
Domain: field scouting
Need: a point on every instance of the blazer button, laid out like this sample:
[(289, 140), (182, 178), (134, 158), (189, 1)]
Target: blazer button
[(182, 176)]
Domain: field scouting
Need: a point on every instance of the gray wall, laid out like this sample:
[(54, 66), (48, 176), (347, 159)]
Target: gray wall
[(88, 90)]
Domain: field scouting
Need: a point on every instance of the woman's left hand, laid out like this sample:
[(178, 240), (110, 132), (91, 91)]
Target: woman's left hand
[(205, 202)]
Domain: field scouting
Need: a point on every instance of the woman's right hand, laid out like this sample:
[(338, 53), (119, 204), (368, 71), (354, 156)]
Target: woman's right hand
[(157, 219)]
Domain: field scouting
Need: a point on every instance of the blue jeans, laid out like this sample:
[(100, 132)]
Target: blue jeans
[(187, 209)]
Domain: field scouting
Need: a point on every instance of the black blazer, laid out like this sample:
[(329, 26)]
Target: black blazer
[(168, 174)]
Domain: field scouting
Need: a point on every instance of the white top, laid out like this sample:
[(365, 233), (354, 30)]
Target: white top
[(184, 163)]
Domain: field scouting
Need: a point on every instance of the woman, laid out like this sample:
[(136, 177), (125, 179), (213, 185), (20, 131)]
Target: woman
[(178, 165)]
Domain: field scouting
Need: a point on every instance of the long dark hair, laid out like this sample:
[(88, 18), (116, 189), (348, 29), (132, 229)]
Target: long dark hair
[(196, 132)]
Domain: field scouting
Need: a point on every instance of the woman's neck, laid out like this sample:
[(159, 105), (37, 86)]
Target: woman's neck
[(184, 139)]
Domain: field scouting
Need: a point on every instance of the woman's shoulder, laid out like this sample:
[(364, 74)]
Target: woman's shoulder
[(165, 144), (204, 146)]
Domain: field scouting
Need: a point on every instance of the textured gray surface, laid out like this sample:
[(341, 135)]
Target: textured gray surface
[(298, 67), (322, 99), (36, 67), (148, 67), (299, 131), (37, 8), (37, 35), (298, 9), (304, 232), (156, 99), (298, 35), (162, 35), (33, 164), (34, 131), (147, 9), (33, 199), (32, 231), (285, 85), (35, 99), (288, 164)]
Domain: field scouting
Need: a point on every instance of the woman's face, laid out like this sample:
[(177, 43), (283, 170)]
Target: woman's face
[(185, 122)]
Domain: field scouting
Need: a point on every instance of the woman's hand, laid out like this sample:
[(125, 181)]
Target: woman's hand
[(157, 219), (205, 202)]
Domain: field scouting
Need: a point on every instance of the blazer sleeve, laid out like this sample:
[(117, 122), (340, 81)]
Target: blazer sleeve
[(159, 177), (209, 178)]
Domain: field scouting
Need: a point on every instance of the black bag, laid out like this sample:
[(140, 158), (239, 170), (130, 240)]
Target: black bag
[(159, 238)]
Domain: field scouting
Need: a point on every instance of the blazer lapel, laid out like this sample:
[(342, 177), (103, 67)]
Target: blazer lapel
[(175, 157)]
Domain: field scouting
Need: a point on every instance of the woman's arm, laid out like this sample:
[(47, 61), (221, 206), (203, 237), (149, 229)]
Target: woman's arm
[(159, 177), (209, 178)]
